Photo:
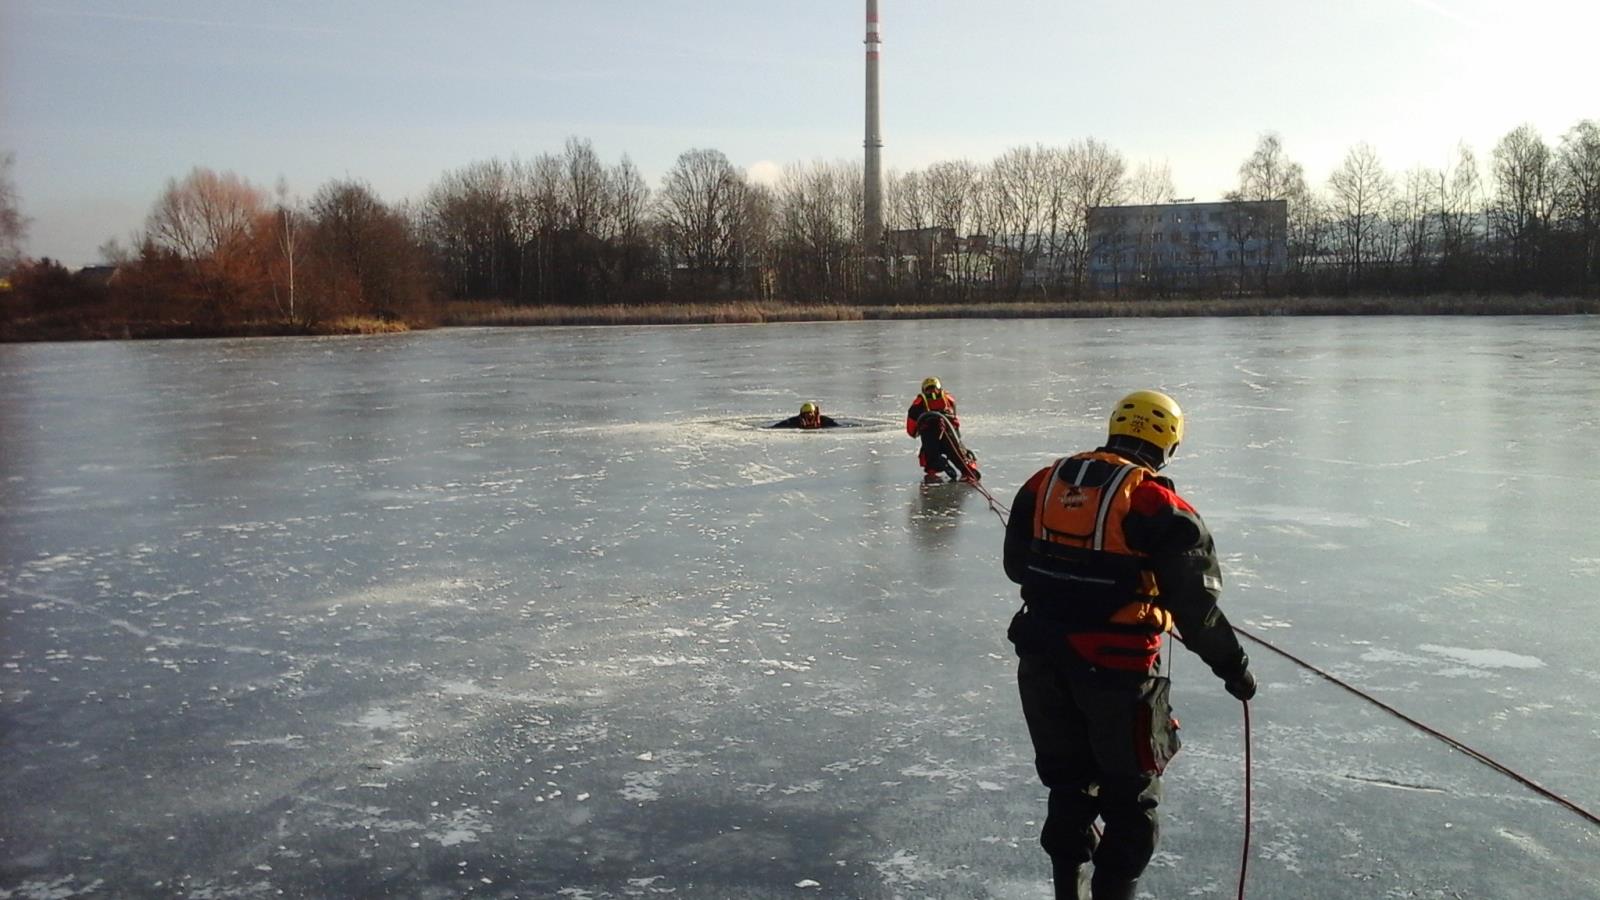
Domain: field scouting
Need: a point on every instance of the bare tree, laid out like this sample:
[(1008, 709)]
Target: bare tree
[(1018, 184), (13, 225), (952, 189), (367, 258), (629, 257), (1417, 217), (1579, 166), (286, 227), (758, 240), (1525, 197), (1096, 177), (818, 208), (1360, 190), (1150, 185), (630, 200), (1460, 215), (208, 220), (1268, 174), (583, 187), (700, 202)]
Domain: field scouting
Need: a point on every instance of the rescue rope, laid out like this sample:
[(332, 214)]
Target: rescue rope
[(1003, 513), (1478, 755), (1244, 856), (1000, 510)]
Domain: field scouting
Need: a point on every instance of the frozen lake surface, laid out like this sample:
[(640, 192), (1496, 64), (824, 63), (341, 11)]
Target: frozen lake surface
[(542, 613)]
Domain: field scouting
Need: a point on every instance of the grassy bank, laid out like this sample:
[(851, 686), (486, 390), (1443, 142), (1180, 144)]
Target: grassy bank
[(87, 325), (84, 327), (489, 314)]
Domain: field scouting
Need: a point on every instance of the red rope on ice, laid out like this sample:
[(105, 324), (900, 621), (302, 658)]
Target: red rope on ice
[(995, 506), (1478, 755), (1244, 856)]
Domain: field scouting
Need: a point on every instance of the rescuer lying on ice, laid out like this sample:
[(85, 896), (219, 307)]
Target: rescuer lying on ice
[(942, 451), (1110, 558), (810, 417)]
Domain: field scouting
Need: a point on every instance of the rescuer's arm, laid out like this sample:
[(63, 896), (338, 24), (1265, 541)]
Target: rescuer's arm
[(1019, 528), (912, 415), (1184, 559)]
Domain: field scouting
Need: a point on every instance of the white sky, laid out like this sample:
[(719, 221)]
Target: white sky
[(103, 100)]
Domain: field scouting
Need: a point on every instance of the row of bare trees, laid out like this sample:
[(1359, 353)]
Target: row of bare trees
[(571, 228), (1529, 221), (216, 249)]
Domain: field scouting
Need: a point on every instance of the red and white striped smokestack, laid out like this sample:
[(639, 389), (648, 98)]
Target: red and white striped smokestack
[(873, 205)]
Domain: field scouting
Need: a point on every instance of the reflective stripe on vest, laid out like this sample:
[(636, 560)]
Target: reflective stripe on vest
[(936, 402), (1060, 514)]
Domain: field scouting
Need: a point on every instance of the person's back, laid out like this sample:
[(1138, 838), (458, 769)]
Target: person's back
[(1110, 558)]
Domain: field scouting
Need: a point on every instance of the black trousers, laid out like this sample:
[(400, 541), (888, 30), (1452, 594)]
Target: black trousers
[(1100, 742)]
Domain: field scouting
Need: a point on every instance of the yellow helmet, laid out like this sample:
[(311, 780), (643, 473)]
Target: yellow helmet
[(808, 409), (931, 384), (1149, 416)]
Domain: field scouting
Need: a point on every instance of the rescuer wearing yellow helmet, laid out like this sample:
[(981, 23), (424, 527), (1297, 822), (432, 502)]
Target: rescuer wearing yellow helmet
[(933, 398), (810, 417), (1110, 558)]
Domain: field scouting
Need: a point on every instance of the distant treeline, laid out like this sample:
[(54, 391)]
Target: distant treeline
[(220, 254)]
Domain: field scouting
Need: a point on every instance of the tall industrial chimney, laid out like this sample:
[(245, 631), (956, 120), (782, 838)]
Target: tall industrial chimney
[(873, 226)]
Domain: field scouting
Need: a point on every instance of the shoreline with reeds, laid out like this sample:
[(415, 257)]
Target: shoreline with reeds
[(482, 314)]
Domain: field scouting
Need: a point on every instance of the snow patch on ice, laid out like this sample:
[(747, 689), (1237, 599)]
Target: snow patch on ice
[(759, 473), (461, 827), (640, 787), (380, 719), (55, 889), (461, 688), (1484, 658), (903, 868), (1526, 844), (292, 741), (52, 563)]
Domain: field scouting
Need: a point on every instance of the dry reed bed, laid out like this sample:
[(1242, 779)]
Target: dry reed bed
[(745, 312)]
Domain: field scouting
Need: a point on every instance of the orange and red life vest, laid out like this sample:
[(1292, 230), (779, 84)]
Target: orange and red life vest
[(935, 400), (1079, 548)]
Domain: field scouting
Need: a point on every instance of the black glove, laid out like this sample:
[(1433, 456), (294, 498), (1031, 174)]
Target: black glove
[(1242, 686)]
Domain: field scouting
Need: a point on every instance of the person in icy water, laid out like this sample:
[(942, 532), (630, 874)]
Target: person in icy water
[(810, 417), (1110, 558), (932, 398)]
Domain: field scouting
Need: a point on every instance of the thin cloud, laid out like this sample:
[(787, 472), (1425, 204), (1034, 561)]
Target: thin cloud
[(198, 23)]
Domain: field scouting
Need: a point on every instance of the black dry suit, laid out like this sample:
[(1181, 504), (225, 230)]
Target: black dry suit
[(1109, 557), (942, 451)]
